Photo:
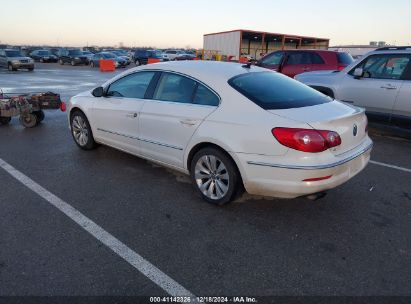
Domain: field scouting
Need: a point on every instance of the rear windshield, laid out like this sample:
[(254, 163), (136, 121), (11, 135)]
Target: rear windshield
[(344, 58), (273, 91)]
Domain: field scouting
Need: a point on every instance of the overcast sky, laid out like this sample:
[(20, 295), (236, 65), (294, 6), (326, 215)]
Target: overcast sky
[(182, 23)]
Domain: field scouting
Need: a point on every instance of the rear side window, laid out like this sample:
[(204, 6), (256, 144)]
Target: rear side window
[(344, 58), (274, 91), (304, 58), (131, 86), (204, 96), (176, 88)]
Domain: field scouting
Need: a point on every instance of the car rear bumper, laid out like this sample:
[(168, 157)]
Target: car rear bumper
[(287, 181)]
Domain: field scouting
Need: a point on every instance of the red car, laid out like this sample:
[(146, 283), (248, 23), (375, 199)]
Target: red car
[(294, 62)]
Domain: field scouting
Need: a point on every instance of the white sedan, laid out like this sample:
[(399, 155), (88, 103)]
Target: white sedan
[(229, 126)]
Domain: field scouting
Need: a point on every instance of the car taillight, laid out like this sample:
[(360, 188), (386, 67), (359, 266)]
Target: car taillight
[(341, 67), (307, 140), (63, 107)]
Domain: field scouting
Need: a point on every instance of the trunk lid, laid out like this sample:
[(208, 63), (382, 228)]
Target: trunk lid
[(348, 121)]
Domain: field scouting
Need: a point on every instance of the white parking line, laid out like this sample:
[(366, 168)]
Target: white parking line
[(130, 256), (390, 166)]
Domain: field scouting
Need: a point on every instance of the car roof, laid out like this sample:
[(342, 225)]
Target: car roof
[(213, 73), (313, 50), (387, 51)]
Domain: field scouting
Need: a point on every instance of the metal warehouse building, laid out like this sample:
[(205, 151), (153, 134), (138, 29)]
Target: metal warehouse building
[(237, 43)]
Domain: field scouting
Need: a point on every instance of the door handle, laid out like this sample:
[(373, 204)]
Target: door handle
[(189, 122), (388, 87), (132, 115)]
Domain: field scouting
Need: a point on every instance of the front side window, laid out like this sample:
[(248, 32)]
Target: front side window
[(272, 91), (176, 88), (131, 86), (384, 66), (273, 59), (204, 96)]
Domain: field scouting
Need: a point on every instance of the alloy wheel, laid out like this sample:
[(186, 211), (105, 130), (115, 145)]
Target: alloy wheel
[(212, 177), (80, 130)]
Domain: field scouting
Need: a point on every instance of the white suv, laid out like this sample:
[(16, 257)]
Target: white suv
[(380, 82), (172, 54)]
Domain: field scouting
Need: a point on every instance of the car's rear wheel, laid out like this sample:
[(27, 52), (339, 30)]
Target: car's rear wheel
[(73, 63), (81, 131), (41, 60), (215, 176), (137, 62), (61, 62), (92, 64)]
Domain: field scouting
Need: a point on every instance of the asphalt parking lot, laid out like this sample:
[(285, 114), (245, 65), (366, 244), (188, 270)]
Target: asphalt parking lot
[(354, 242)]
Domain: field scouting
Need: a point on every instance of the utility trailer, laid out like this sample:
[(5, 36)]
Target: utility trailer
[(28, 106)]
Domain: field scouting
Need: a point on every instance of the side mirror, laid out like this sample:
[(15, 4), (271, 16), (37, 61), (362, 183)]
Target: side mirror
[(98, 92), (358, 73)]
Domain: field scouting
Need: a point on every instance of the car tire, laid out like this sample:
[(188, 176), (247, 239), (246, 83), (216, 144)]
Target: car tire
[(73, 63), (61, 61), (31, 69), (137, 62), (28, 120), (39, 115), (4, 120), (81, 131), (215, 176), (11, 68), (92, 64), (41, 60)]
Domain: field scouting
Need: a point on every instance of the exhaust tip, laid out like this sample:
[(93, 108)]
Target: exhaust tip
[(316, 196)]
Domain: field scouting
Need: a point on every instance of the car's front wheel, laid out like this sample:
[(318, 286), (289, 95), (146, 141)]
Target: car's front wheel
[(215, 176), (137, 62), (92, 64), (61, 62), (81, 131), (73, 63)]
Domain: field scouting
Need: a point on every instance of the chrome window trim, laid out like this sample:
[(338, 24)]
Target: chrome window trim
[(318, 167)]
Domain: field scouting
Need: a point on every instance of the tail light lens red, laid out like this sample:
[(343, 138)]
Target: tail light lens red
[(341, 67), (63, 107), (307, 140)]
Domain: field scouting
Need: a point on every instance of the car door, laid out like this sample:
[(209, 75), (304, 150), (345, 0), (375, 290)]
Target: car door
[(169, 119), (401, 115), (378, 89), (272, 61), (295, 63), (116, 115)]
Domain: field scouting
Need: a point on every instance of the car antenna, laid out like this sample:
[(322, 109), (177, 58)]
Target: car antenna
[(247, 65)]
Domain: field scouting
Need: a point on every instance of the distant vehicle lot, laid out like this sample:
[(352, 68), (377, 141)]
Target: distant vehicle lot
[(354, 242)]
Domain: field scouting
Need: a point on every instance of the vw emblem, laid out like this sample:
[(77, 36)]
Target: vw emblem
[(355, 130)]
